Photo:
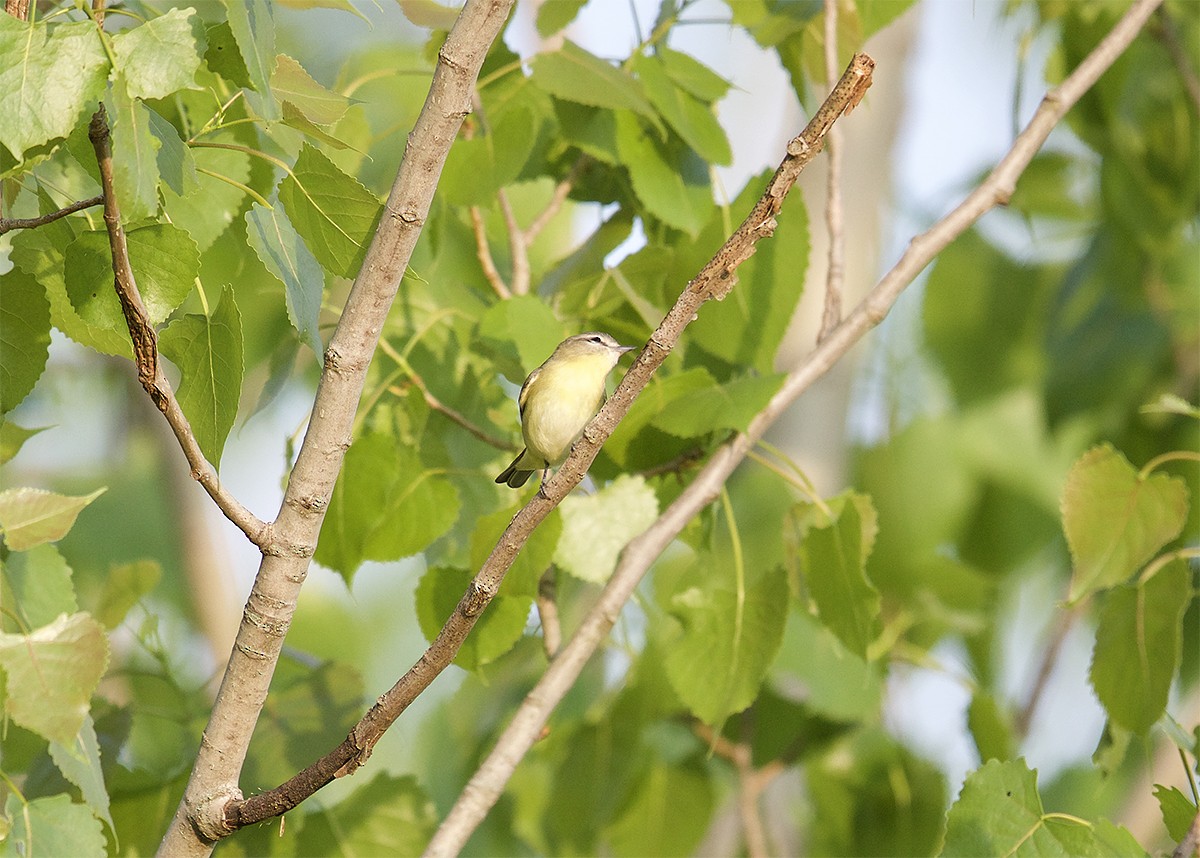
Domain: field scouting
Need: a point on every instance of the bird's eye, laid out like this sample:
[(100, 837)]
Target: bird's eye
[(596, 340)]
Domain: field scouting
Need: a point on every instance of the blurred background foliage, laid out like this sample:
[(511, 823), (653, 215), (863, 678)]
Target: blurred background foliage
[(1018, 483)]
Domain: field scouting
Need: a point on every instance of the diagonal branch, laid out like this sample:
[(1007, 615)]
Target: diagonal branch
[(835, 273), (8, 224), (715, 280), (145, 346), (484, 788)]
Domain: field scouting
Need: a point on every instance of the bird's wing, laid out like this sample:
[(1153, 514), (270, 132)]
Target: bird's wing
[(524, 394)]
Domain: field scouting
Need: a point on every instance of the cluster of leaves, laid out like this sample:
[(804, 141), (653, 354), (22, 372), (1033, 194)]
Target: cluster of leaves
[(249, 193)]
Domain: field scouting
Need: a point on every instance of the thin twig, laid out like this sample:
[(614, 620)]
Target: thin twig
[(484, 252), (561, 191), (7, 224), (517, 247), (750, 786), (145, 347), (1168, 34), (1064, 621), (486, 785), (547, 606), (835, 272)]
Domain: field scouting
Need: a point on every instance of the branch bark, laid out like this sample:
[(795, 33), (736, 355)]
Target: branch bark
[(8, 224), (485, 786), (835, 274), (145, 345), (200, 818)]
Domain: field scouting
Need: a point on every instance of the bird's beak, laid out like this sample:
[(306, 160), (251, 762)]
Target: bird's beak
[(623, 349)]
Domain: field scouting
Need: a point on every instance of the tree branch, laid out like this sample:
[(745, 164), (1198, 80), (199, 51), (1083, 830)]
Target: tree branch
[(8, 224), (547, 606), (202, 816), (485, 786), (518, 249), (835, 273), (145, 345), (561, 191), (486, 262)]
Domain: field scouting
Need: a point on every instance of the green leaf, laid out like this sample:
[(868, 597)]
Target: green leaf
[(991, 728), (386, 505), (24, 337), (1177, 811), (176, 166), (160, 56), (476, 169), (52, 673), (692, 75), (80, 764), (208, 352), (728, 406), (388, 815), (833, 559), (647, 827), (135, 156), (1138, 646), (12, 436), (49, 76), (692, 119), (291, 83), (498, 629), (281, 250), (552, 17), (223, 55), (747, 327), (53, 826), (207, 207), (533, 560), (30, 517), (632, 444), (40, 581), (573, 74), (332, 212), (253, 26), (999, 812), (124, 586), (726, 637), (1115, 519), (294, 118), (597, 527), (838, 684), (165, 263), (518, 334), (674, 188)]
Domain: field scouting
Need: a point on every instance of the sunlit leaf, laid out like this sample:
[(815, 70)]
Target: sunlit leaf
[(646, 828), (388, 815), (673, 187), (285, 255), (596, 527), (576, 75), (692, 119), (124, 586), (253, 26), (79, 763), (160, 56), (13, 437), (30, 517), (54, 826), (40, 582), (291, 83), (498, 629), (135, 155)]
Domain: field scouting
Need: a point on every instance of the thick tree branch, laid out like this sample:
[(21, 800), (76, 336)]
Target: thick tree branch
[(202, 816), (145, 346), (714, 281), (8, 224), (484, 788)]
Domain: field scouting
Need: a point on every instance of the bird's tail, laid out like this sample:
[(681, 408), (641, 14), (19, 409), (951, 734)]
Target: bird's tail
[(512, 476)]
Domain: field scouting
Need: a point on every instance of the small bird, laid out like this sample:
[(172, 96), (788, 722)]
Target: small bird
[(558, 400)]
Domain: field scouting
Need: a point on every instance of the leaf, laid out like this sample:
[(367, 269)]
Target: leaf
[(725, 639), (477, 168), (552, 17), (124, 586), (165, 263), (30, 517), (837, 683), (24, 337), (52, 673), (135, 156), (597, 527), (496, 632), (40, 581), (79, 763), (292, 84), (332, 212), (285, 255), (533, 560), (386, 505), (1177, 811), (429, 14), (1115, 519), (518, 334), (208, 352), (999, 812), (1139, 645), (160, 56), (833, 559), (573, 74), (294, 118), (728, 406), (646, 827), (692, 119), (176, 166), (206, 208), (692, 75), (12, 436), (253, 27), (54, 826), (223, 55), (991, 728), (49, 76), (674, 189), (388, 815)]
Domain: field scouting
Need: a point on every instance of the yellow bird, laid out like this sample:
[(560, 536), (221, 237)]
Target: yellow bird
[(559, 399)]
